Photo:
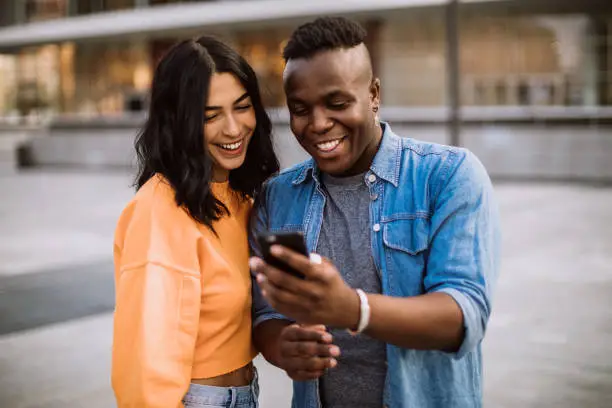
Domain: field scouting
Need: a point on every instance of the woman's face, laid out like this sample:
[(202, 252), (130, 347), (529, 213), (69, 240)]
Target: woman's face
[(229, 124)]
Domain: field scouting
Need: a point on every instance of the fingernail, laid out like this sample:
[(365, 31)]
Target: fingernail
[(327, 338), (253, 263), (333, 362), (276, 250), (334, 351)]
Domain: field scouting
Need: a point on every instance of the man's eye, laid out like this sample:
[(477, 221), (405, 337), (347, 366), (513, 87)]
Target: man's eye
[(338, 104)]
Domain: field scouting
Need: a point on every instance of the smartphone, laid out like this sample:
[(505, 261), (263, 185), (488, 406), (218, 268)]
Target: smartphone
[(292, 240)]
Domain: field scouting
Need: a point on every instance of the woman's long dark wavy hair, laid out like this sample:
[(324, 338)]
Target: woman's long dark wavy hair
[(171, 143)]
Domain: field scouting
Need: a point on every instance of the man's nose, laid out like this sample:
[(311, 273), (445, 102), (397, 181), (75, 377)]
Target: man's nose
[(320, 123)]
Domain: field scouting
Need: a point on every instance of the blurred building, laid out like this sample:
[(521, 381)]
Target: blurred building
[(97, 56), (534, 76)]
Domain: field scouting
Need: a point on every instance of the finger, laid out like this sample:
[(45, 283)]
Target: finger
[(264, 286), (256, 264), (296, 332), (295, 260), (311, 374), (316, 364), (312, 349), (310, 364), (309, 349), (282, 280), (285, 302), (285, 280), (316, 327), (269, 292), (269, 289), (294, 302)]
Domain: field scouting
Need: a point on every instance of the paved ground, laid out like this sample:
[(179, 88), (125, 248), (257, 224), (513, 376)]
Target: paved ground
[(549, 342)]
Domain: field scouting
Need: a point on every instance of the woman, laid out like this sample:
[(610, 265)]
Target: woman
[(182, 328)]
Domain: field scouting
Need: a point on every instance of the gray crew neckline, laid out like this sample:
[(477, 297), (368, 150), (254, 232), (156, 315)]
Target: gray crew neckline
[(350, 181)]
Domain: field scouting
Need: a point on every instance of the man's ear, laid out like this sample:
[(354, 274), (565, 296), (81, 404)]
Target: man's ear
[(375, 94)]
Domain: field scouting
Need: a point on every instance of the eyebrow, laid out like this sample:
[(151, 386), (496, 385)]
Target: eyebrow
[(327, 96), (337, 93), (240, 99)]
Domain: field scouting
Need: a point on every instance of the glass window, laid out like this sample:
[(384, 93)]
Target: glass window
[(412, 60), (607, 62), (39, 10), (112, 87), (8, 13), (8, 89), (158, 2), (36, 82), (536, 60), (97, 6), (263, 50)]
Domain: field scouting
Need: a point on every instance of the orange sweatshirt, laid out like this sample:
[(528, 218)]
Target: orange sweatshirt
[(183, 297)]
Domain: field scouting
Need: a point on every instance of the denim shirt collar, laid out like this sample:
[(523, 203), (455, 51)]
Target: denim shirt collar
[(386, 163)]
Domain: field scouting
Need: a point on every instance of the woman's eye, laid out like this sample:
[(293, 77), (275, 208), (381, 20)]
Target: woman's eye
[(298, 110)]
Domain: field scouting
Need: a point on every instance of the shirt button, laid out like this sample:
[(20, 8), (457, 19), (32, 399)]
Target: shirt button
[(371, 178), (374, 197), (376, 227)]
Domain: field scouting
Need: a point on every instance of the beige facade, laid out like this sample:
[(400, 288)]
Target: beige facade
[(505, 61), (412, 61), (8, 70), (535, 60)]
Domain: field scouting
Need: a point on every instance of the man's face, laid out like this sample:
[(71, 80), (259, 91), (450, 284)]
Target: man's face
[(332, 99)]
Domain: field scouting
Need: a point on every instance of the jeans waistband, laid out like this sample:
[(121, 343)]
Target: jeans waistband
[(224, 396)]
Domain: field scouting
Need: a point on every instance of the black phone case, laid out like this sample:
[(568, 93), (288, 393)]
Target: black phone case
[(292, 240)]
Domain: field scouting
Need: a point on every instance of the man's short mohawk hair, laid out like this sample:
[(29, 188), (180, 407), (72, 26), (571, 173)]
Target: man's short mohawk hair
[(323, 34)]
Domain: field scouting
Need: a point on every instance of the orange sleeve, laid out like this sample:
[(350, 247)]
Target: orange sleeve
[(155, 329), (157, 302)]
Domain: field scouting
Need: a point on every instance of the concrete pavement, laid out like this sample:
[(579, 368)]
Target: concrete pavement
[(549, 342)]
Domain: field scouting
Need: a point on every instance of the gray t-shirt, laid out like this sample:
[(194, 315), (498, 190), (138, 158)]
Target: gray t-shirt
[(359, 378)]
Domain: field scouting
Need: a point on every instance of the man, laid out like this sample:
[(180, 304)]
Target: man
[(408, 232)]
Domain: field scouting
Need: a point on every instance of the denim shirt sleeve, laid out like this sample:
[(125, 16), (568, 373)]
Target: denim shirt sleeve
[(464, 249), (260, 309)]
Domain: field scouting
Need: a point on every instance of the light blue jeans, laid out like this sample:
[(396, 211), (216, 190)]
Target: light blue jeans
[(206, 396)]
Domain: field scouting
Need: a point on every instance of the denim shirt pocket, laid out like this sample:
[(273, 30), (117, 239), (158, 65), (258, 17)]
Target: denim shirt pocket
[(406, 240)]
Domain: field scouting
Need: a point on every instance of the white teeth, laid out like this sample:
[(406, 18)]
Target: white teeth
[(327, 146), (231, 146)]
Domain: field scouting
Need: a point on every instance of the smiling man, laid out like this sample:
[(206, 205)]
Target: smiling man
[(406, 237)]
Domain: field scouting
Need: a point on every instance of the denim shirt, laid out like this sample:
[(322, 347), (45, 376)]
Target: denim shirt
[(435, 228)]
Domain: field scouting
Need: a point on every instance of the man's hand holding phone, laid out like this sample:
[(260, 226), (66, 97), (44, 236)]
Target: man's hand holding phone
[(320, 297)]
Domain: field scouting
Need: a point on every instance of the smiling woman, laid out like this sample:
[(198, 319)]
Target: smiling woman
[(205, 95), (229, 124), (182, 324)]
